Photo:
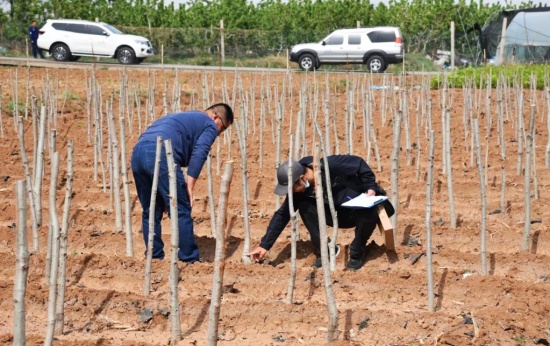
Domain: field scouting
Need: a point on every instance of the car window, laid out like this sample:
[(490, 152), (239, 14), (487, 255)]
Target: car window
[(354, 39), (113, 29), (60, 26), (381, 36), (78, 28), (335, 40), (95, 30)]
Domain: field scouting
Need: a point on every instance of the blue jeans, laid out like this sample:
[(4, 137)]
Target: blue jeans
[(143, 165)]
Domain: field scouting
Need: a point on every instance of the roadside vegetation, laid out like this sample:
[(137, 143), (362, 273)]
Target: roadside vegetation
[(256, 34)]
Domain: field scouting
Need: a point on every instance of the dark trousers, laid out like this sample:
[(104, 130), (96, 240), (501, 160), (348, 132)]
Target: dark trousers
[(364, 221), (36, 50), (143, 164)]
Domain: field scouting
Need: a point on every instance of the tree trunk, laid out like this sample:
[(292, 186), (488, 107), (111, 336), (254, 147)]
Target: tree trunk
[(219, 256)]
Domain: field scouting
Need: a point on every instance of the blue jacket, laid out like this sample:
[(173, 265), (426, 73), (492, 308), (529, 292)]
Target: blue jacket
[(192, 134), (33, 34)]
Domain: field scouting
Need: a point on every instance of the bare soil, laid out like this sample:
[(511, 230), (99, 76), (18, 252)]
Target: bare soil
[(384, 303)]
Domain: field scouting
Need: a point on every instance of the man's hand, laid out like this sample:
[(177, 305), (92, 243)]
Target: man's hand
[(371, 192), (190, 186), (257, 254), (190, 195)]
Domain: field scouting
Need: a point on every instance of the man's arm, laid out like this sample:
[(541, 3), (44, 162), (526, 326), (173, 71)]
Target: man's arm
[(276, 226), (200, 151)]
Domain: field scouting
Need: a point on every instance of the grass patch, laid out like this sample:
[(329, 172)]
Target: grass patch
[(483, 75)]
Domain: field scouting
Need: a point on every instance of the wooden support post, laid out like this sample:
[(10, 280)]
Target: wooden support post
[(385, 227)]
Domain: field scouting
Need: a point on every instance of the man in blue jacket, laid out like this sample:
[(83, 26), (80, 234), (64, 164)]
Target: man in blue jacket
[(192, 134), (349, 177), (33, 38)]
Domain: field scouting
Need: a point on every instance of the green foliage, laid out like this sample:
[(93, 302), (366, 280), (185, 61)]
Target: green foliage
[(266, 28), (481, 76)]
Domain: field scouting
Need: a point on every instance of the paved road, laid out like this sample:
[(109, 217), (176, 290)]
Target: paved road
[(114, 65)]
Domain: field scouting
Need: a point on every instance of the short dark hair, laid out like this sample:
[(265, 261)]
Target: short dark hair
[(223, 110)]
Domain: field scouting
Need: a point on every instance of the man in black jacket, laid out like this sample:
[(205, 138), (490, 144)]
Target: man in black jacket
[(349, 177)]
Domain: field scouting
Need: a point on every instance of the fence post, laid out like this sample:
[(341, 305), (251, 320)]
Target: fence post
[(452, 46), (222, 43), (358, 23)]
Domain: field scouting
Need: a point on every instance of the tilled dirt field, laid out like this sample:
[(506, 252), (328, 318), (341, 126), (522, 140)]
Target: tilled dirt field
[(384, 303)]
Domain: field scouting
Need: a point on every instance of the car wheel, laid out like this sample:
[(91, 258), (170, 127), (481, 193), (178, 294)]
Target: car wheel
[(307, 62), (61, 52), (376, 64), (126, 55), (139, 60)]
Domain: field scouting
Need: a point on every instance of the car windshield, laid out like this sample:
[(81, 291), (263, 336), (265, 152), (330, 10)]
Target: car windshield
[(113, 29)]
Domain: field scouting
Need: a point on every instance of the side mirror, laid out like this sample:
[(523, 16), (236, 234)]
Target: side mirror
[(105, 33), (323, 43)]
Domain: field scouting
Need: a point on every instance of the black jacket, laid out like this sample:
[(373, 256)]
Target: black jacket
[(349, 177)]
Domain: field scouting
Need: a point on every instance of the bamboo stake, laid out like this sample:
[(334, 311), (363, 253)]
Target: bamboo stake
[(219, 257), (429, 191), (61, 280), (54, 221), (174, 241), (21, 267), (126, 188), (151, 229), (527, 182), (483, 197), (332, 327)]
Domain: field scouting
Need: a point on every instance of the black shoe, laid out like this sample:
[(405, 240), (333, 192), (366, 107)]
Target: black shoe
[(356, 263), (319, 263)]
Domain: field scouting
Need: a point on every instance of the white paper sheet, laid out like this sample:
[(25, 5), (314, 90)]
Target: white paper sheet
[(364, 201)]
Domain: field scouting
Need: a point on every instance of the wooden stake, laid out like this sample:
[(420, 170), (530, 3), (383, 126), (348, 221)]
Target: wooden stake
[(151, 229), (429, 191), (219, 257), (21, 267), (175, 325), (483, 231), (332, 327), (54, 222), (63, 241)]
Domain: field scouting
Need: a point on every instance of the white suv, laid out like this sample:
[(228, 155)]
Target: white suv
[(376, 47), (68, 40)]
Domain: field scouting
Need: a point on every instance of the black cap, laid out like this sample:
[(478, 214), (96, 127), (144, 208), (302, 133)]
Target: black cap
[(282, 176)]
